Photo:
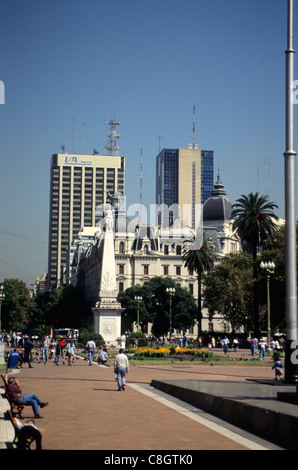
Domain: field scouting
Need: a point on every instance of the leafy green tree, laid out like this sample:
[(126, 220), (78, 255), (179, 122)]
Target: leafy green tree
[(87, 334), (127, 300), (254, 223), (155, 306), (17, 307), (229, 290), (274, 250), (200, 259), (62, 307)]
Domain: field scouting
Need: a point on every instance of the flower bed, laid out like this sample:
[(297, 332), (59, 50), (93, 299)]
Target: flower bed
[(185, 353)]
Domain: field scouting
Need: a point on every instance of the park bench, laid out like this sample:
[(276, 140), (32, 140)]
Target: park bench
[(27, 436), (15, 408)]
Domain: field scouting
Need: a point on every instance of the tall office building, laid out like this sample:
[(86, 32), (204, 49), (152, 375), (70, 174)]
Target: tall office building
[(181, 179), (207, 174), (79, 183)]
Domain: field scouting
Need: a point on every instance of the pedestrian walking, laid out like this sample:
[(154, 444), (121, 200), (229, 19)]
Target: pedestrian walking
[(235, 344), (262, 349), (70, 348), (91, 348), (28, 346), (277, 366), (253, 346), (57, 353), (225, 344), (121, 367), (52, 349), (45, 349)]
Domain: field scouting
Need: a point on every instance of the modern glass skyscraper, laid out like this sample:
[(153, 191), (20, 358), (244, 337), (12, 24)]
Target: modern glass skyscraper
[(184, 177), (207, 174), (79, 183)]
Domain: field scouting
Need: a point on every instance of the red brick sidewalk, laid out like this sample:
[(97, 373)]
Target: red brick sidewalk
[(86, 411)]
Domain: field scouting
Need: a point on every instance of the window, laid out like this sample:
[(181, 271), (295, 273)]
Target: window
[(121, 268), (121, 248), (166, 270), (178, 270), (166, 249), (146, 269)]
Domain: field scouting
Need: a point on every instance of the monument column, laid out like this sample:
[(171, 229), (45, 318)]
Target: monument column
[(107, 311)]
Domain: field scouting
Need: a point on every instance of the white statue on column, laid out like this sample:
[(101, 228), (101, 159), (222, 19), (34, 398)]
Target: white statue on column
[(107, 313)]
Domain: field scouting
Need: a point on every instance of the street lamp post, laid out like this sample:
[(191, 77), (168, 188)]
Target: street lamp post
[(138, 299), (269, 269), (291, 364), (171, 292), (2, 297)]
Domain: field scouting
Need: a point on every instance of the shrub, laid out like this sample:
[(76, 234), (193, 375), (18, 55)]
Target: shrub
[(138, 338), (86, 335)]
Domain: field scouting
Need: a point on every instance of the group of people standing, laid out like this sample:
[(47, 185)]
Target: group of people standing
[(261, 345), (55, 349)]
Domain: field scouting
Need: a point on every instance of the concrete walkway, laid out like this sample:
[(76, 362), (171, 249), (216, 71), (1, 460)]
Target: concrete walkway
[(86, 411)]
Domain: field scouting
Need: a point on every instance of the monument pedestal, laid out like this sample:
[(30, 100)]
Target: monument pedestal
[(107, 321)]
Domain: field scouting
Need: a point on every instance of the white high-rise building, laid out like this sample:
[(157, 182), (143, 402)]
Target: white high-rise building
[(79, 184)]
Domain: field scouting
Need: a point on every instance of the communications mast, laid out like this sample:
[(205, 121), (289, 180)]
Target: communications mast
[(111, 145)]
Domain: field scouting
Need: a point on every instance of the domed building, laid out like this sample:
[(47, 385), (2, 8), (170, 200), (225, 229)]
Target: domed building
[(217, 222)]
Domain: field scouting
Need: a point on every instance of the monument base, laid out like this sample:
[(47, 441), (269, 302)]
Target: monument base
[(107, 323)]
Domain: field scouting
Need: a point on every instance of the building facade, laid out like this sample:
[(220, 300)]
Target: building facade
[(145, 251), (79, 185), (207, 174), (184, 178)]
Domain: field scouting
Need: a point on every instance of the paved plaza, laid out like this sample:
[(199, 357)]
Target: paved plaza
[(87, 412)]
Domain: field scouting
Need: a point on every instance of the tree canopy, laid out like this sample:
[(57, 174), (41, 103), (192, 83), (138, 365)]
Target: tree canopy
[(155, 306), (229, 290), (17, 307)]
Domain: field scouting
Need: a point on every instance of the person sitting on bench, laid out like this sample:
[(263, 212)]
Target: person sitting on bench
[(15, 394)]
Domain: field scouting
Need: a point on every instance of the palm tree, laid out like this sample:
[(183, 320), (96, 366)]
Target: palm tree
[(254, 224), (199, 257)]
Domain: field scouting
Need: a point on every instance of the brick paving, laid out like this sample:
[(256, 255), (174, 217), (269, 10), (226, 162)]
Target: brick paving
[(86, 411)]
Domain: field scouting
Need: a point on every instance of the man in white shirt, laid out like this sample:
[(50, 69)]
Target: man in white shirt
[(121, 367), (91, 348)]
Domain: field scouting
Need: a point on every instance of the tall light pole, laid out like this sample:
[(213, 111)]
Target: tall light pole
[(269, 269), (170, 291), (291, 368), (138, 299), (2, 297)]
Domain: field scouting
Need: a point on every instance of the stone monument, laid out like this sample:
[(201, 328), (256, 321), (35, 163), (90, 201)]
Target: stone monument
[(107, 311)]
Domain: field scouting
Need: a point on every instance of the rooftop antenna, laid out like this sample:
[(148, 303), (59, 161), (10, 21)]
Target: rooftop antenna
[(72, 150), (84, 137), (111, 145), (141, 187), (194, 127)]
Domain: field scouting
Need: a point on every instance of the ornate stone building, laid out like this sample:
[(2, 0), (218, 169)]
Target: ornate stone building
[(146, 251)]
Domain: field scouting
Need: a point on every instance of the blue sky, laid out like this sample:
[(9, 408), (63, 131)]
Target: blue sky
[(71, 65)]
